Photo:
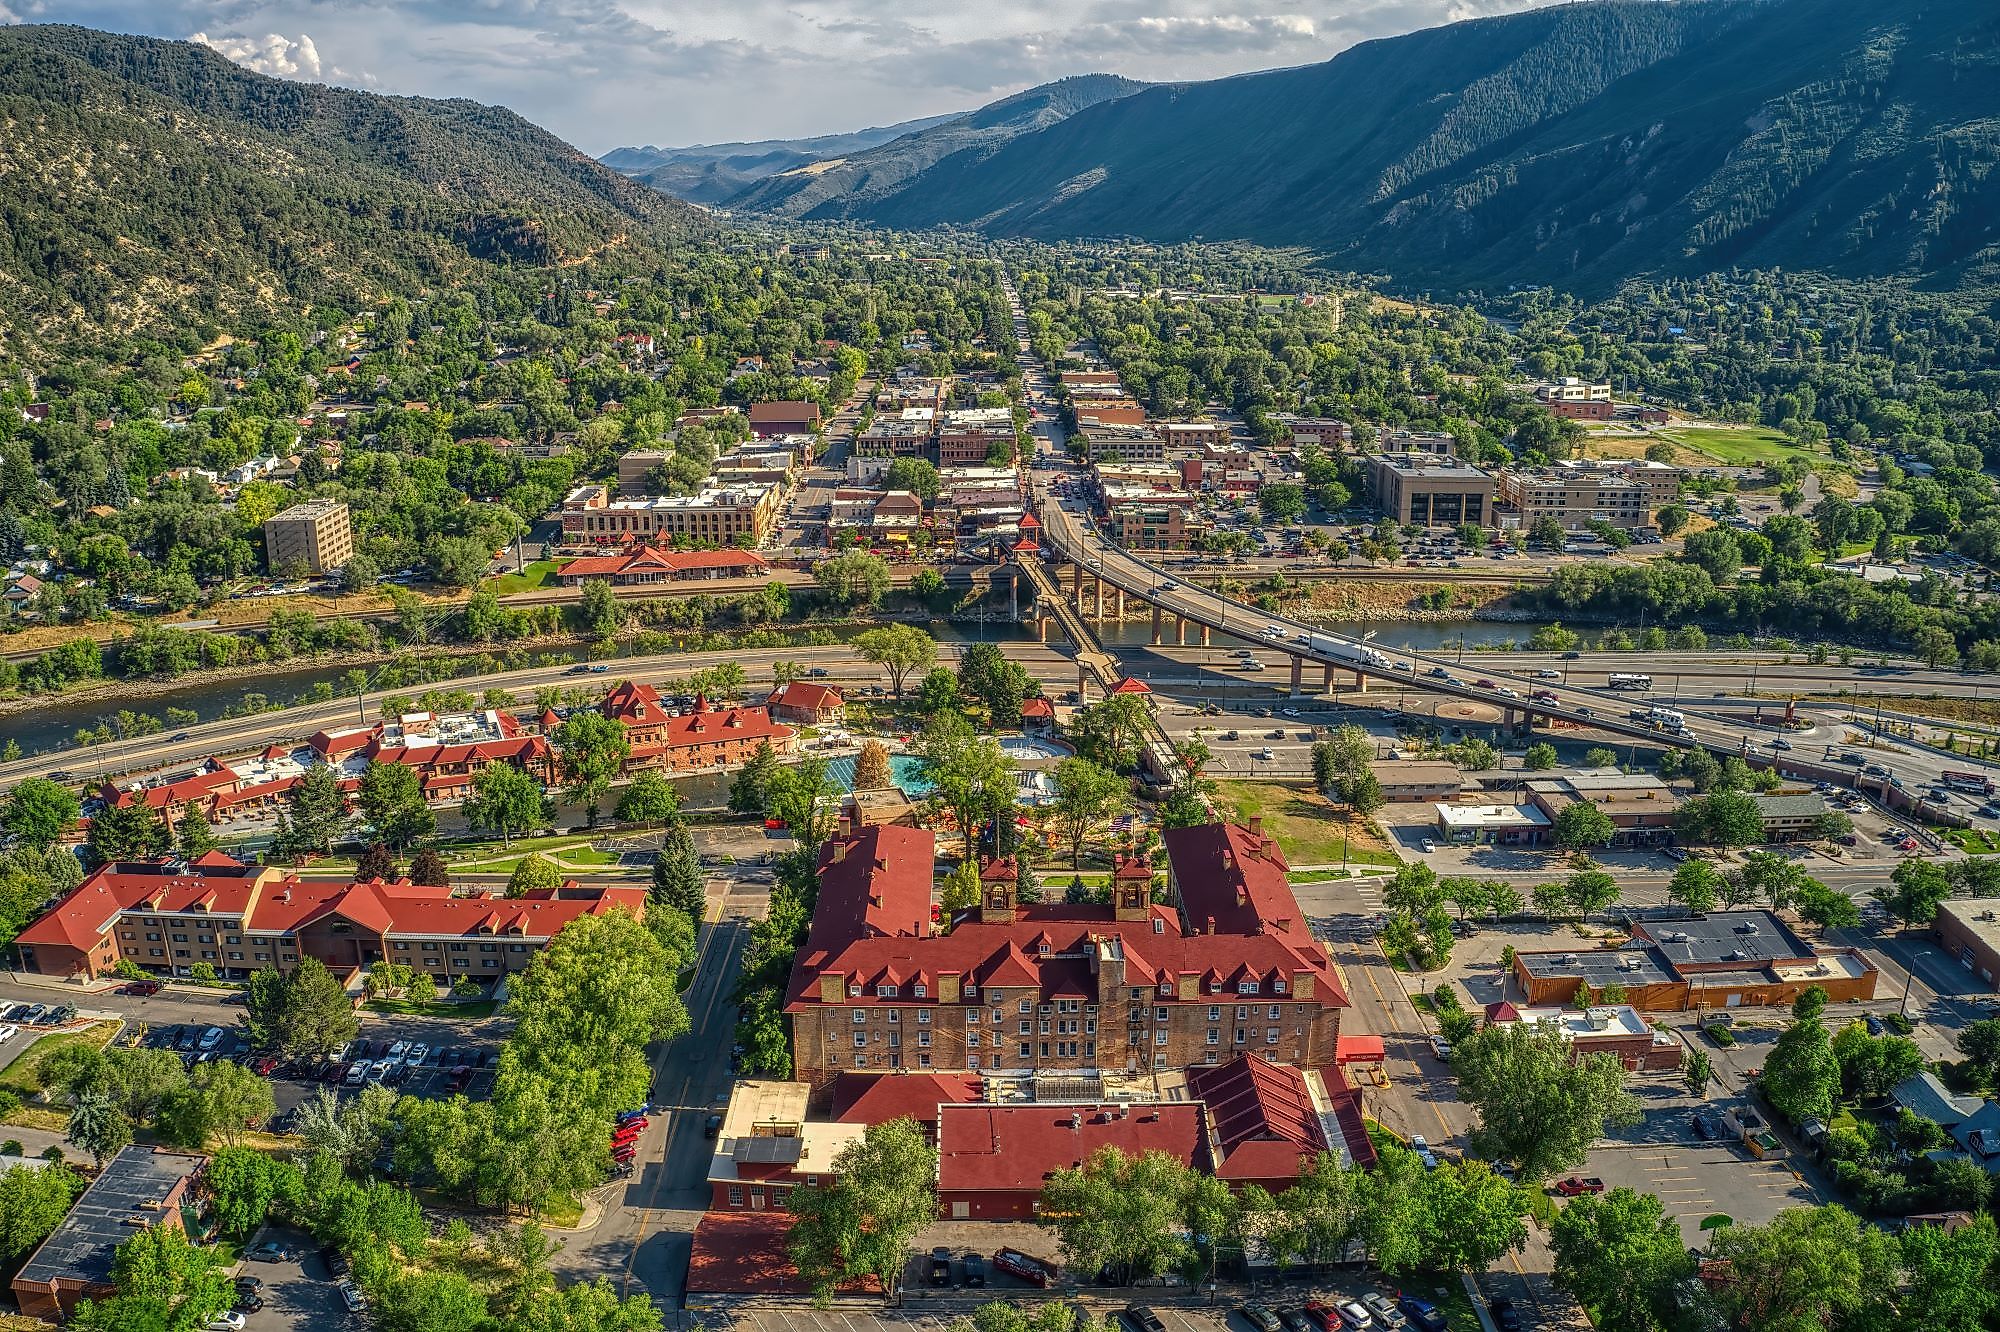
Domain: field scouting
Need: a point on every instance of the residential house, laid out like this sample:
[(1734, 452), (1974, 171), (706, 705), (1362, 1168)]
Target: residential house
[(808, 702)]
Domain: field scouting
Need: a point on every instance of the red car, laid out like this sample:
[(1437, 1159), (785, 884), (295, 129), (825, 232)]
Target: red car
[(140, 988), (1031, 1270), (1325, 1316), (1484, 684), (625, 1153), (624, 1136), (1578, 1185)]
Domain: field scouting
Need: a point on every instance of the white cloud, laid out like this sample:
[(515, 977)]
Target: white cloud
[(270, 54)]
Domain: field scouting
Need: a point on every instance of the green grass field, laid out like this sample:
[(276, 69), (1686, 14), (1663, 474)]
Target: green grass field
[(1306, 824), (17, 1076), (1739, 446), (530, 578)]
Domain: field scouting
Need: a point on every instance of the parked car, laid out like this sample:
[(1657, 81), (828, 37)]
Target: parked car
[(1143, 1318), (1029, 1269), (1354, 1315), (1505, 1316), (1423, 1313), (9, 1033), (211, 1038), (974, 1267), (226, 1321), (940, 1268), (1575, 1186), (418, 1053), (1259, 1317), (270, 1251), (712, 1126), (1384, 1309), (351, 1296)]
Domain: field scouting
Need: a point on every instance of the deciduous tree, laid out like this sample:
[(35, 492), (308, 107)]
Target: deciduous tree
[(900, 649), (39, 811), (1802, 1077), (1085, 796), (391, 797), (1620, 1254), (883, 1192), (508, 801), (1537, 1108)]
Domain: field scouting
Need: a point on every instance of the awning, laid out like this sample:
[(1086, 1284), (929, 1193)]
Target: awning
[(1357, 1050)]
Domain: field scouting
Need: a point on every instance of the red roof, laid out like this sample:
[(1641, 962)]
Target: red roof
[(1264, 1118), (1357, 1049), (1503, 1011), (1029, 522), (745, 1253), (1237, 878), (634, 704), (875, 883), (654, 559), (268, 899), (702, 727), (781, 413), (1128, 685), (1016, 1148), (806, 696), (1038, 707), (877, 1098)]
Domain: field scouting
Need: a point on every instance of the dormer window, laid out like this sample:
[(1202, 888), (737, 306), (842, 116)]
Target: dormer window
[(854, 992), (920, 991), (1167, 988), (1246, 987), (972, 991), (1043, 949), (1277, 987), (1159, 925), (885, 992)]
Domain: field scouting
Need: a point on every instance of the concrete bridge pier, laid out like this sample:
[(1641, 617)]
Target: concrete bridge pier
[(1076, 586), (1298, 673), (1014, 597), (1326, 681), (1041, 628), (1360, 683), (1157, 617), (1082, 683), (1180, 630), (1204, 635)]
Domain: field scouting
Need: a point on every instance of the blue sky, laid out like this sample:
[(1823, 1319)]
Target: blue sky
[(602, 73)]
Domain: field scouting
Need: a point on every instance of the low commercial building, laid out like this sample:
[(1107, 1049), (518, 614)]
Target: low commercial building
[(167, 916), (1417, 780), (1187, 439), (1429, 490), (1133, 443), (994, 1159), (808, 702), (907, 435), (1624, 492), (1641, 807), (766, 1147), (1571, 389), (1790, 817), (317, 536), (1968, 930), (969, 436), (1492, 825), (783, 418), (651, 564), (1613, 1029), (141, 1187), (1148, 520), (1320, 432), (1726, 959)]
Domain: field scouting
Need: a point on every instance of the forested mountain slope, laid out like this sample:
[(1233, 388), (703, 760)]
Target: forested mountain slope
[(1574, 145), (145, 182)]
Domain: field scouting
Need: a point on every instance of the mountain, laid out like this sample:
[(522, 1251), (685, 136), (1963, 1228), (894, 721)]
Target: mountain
[(1574, 145), (709, 173), (850, 186), (147, 183)]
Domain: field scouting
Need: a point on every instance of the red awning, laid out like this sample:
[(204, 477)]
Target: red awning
[(1357, 1050)]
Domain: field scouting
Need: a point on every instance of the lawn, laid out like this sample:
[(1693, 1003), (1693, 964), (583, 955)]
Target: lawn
[(468, 1010), (15, 1077), (1973, 843), (531, 577), (1307, 825), (1738, 446)]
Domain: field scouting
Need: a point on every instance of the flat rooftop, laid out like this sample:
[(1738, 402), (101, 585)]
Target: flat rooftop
[(1976, 916), (1487, 817), (1726, 937), (1427, 466), (1627, 966), (132, 1192)]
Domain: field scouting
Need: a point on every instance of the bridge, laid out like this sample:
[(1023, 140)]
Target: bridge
[(1112, 575)]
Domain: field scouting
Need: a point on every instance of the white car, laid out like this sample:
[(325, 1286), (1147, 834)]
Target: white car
[(9, 1033), (417, 1055), (227, 1321), (1355, 1315), (211, 1038), (1430, 844), (1267, 753), (351, 1296), (1546, 674), (397, 1051)]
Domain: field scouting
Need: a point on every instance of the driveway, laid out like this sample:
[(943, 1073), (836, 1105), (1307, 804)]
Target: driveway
[(298, 1292)]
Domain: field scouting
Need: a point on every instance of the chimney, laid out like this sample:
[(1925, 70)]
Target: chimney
[(1211, 925), (1302, 985), (839, 852), (832, 987), (1076, 1119), (948, 987), (1190, 985), (1256, 825), (1228, 859)]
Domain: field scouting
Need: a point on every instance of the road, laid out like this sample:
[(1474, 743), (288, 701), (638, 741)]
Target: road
[(640, 1229)]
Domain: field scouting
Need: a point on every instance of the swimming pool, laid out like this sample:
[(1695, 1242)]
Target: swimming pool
[(1020, 747), (905, 770)]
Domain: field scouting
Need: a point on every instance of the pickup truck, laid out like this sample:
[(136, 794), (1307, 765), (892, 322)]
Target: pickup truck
[(1542, 696), (1577, 1185)]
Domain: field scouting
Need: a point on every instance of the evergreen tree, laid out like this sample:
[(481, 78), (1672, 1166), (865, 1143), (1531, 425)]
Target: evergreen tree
[(678, 880)]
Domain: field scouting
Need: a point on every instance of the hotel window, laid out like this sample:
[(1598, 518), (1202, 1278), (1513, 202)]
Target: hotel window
[(1159, 1038), (924, 1038), (972, 991), (885, 992), (859, 1017), (972, 1040), (1246, 987), (1273, 1014), (1241, 1036), (919, 991), (1214, 1036), (1277, 987), (1027, 1050), (1214, 1013), (972, 1017), (1160, 1014), (1027, 1005), (860, 1040), (895, 1015), (972, 1061), (923, 1017), (735, 1195), (854, 992), (1242, 1012), (1270, 1035)]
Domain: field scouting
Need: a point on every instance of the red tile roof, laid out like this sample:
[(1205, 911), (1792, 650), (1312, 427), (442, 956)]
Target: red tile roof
[(806, 695), (1128, 685), (875, 883), (877, 1098), (703, 727), (1015, 1148), (1038, 707), (634, 704), (1264, 1118)]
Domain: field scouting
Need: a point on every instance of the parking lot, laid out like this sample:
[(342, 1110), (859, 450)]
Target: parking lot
[(297, 1290)]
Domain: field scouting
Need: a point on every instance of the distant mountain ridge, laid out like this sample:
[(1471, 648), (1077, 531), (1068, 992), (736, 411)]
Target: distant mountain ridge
[(149, 182), (1574, 145), (710, 173), (848, 186)]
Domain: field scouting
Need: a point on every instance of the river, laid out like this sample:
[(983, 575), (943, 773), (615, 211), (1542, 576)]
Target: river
[(52, 724)]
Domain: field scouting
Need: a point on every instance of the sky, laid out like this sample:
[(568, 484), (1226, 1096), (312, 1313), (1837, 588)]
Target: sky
[(606, 73)]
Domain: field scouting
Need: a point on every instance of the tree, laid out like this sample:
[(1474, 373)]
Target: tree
[(598, 610), (1826, 908), (1539, 757), (32, 1204), (301, 1013), (1726, 818), (1671, 519), (136, 1078), (852, 581), (1581, 825), (1620, 1255), (533, 874), (1470, 1216), (375, 863), (1696, 885), (1950, 1276), (1697, 1072), (1811, 1269), (1810, 1003), (98, 1127), (916, 475), (1085, 796), (1312, 1221), (872, 770), (40, 812), (807, 800), (128, 832), (970, 776), (650, 798), (1914, 892), (165, 1283), (508, 801), (1537, 1108), (318, 809), (593, 752), (938, 693), (1871, 1065), (1802, 1077), (883, 1192), (427, 867), (678, 880), (1590, 890), (749, 793), (1123, 1212), (959, 889), (1979, 1042), (985, 674), (391, 797), (899, 649), (193, 837), (243, 1184), (220, 1100)]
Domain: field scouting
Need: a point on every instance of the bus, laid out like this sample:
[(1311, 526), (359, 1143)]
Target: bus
[(1621, 680), (1968, 781)]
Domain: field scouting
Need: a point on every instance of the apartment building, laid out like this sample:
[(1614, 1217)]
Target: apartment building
[(907, 435), (166, 916), (1320, 432), (1625, 492), (702, 737), (1430, 490), (718, 516), (1123, 443), (1227, 967), (968, 436), (1571, 389), (1146, 517), (1188, 439), (317, 535), (139, 1187)]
